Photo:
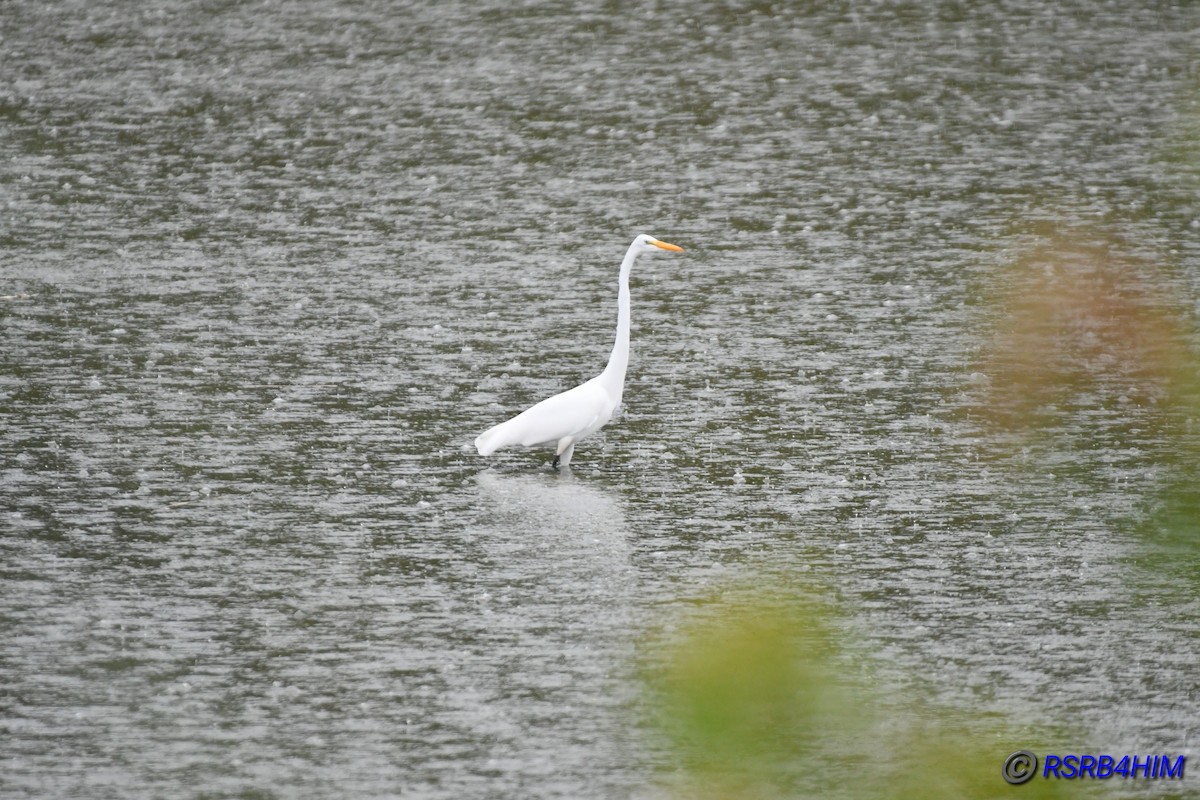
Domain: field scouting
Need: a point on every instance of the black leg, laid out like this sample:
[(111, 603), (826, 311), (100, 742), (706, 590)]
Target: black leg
[(555, 464)]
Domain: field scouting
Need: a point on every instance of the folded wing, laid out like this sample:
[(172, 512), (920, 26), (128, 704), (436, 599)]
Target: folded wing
[(574, 413)]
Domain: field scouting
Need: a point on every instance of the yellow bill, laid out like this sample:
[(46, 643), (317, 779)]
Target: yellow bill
[(666, 245)]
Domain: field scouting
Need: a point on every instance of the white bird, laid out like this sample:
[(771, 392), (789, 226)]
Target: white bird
[(567, 417)]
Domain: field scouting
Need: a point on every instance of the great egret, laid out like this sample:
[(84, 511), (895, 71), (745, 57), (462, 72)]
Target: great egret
[(569, 416)]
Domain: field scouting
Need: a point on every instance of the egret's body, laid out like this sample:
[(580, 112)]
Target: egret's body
[(567, 417)]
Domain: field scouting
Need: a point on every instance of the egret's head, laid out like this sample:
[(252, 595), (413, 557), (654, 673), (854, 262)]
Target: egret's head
[(648, 244)]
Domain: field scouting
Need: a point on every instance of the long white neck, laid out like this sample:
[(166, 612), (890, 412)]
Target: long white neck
[(613, 377)]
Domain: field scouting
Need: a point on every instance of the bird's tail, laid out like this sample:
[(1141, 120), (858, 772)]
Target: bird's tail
[(490, 440)]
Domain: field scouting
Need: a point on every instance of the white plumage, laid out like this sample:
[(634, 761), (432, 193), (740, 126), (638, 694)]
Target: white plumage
[(567, 417)]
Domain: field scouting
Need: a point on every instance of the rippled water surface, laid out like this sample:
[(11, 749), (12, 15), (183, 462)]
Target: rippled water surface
[(268, 268)]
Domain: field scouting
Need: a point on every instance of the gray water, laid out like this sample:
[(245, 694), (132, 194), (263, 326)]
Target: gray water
[(268, 268)]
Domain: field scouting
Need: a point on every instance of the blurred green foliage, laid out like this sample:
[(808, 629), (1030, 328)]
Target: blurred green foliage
[(1091, 350), (756, 698)]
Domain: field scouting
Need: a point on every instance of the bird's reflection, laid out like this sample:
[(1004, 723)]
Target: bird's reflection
[(557, 514)]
